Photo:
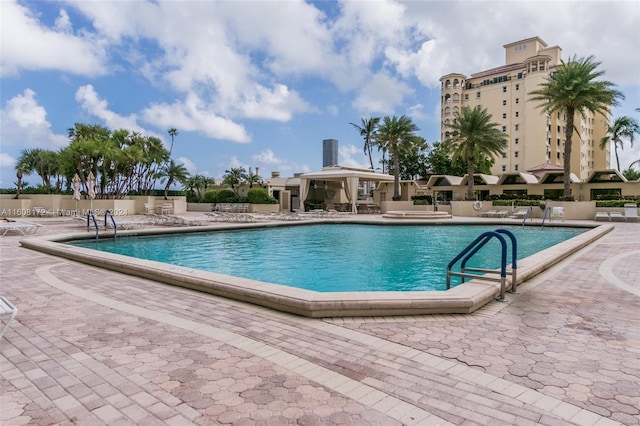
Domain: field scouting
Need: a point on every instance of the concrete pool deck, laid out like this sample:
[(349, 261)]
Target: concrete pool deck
[(91, 346)]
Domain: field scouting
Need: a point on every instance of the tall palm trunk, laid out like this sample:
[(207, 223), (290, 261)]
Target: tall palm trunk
[(470, 172), (567, 153), (396, 172)]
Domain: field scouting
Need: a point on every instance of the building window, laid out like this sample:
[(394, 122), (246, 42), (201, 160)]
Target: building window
[(515, 167), (516, 140), (504, 102), (504, 155), (504, 89), (558, 142), (504, 168), (517, 87), (557, 155), (517, 100), (477, 95), (504, 129), (466, 96), (504, 115), (517, 114), (515, 154), (517, 127)]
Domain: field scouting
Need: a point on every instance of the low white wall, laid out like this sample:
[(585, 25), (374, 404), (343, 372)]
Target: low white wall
[(199, 207), (15, 208)]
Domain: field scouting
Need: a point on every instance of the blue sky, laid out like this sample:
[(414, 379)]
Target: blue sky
[(262, 83)]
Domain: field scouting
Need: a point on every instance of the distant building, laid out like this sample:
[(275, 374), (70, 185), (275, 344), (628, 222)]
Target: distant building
[(329, 152), (535, 137)]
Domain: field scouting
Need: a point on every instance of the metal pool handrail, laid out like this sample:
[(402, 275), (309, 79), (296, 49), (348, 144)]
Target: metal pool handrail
[(544, 216), (113, 221), (526, 215), (474, 247), (95, 222)]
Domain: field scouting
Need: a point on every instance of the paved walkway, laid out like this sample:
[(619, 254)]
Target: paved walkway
[(96, 347)]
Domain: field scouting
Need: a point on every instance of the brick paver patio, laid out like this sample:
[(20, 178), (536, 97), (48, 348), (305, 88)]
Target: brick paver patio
[(96, 347)]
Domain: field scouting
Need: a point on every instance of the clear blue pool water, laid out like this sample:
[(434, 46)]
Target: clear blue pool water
[(334, 257)]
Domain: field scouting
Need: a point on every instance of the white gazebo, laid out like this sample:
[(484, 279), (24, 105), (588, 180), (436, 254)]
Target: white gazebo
[(350, 178)]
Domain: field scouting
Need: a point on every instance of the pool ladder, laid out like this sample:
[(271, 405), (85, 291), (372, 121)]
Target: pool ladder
[(92, 218), (474, 247)]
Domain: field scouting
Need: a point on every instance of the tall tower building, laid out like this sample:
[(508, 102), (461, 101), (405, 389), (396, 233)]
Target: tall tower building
[(535, 137), (329, 152)]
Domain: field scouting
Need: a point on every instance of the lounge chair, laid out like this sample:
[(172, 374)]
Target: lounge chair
[(22, 228), (502, 213), (7, 309), (631, 212), (520, 214), (603, 216), (489, 213), (616, 216)]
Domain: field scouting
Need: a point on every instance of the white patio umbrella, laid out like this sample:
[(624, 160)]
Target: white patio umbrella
[(91, 190), (76, 189)]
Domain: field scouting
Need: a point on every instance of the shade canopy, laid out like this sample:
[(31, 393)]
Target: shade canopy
[(350, 178)]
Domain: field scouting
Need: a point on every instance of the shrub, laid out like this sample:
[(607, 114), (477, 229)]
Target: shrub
[(260, 196), (422, 200), (226, 196), (210, 196)]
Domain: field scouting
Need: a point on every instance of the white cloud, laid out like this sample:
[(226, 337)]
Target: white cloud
[(188, 164), (267, 157), (93, 104), (6, 160), (267, 160), (193, 115), (24, 123), (35, 47), (352, 156), (455, 47), (382, 94), (416, 112)]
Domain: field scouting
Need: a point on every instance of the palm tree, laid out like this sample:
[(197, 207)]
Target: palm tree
[(234, 177), (173, 172), (368, 132), (472, 134), (392, 132), (622, 127), (173, 133), (21, 169), (571, 88)]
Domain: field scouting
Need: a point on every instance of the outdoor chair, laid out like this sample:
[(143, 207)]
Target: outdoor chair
[(6, 309), (616, 216), (631, 212), (489, 213)]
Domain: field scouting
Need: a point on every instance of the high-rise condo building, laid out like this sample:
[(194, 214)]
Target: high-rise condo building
[(329, 152), (535, 137)]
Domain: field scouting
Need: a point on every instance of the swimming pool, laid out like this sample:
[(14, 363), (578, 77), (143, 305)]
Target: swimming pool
[(334, 257), (464, 298)]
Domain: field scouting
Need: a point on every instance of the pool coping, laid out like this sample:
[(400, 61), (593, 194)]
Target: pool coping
[(463, 299)]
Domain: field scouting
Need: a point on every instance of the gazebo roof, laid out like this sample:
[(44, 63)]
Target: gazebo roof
[(340, 173)]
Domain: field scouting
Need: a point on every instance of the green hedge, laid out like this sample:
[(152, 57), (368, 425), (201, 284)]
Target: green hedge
[(260, 196), (615, 203)]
